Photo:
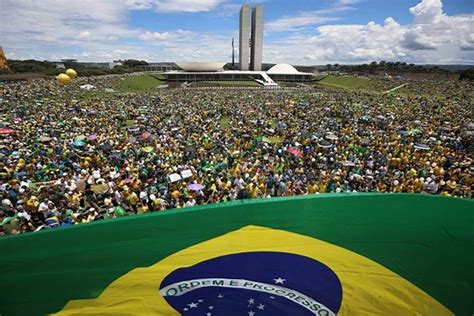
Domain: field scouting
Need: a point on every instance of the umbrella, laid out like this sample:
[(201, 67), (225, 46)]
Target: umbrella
[(295, 151), (195, 187), (148, 149), (100, 188), (422, 146), (190, 149), (134, 129), (276, 140), (414, 132), (263, 139), (331, 137), (324, 144), (467, 134), (145, 135), (79, 143), (347, 163), (45, 139), (106, 147), (130, 123), (7, 131)]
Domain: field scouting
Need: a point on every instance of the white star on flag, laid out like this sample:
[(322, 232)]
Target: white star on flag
[(208, 314), (193, 305), (211, 307), (261, 306), (200, 301), (251, 301), (220, 296), (251, 313), (279, 280)]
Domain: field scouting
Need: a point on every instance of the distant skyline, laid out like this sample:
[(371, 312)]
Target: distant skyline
[(301, 32)]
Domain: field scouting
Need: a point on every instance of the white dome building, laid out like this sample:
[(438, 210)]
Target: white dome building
[(288, 73), (283, 69), (201, 66)]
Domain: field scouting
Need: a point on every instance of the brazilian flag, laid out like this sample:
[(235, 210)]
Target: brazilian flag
[(357, 254)]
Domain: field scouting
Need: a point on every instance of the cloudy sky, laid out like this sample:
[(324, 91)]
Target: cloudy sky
[(303, 32)]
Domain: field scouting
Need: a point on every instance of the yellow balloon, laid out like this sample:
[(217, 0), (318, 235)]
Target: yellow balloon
[(71, 73), (63, 79)]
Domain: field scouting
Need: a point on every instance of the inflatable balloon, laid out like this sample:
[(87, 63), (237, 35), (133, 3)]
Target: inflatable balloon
[(71, 73), (63, 79)]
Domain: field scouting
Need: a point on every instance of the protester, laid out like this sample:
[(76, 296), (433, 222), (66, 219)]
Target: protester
[(69, 157)]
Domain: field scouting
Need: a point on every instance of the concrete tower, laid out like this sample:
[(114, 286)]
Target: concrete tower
[(257, 38), (244, 37)]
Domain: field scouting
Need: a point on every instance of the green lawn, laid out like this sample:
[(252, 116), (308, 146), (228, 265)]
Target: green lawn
[(160, 76), (351, 83), (140, 83), (233, 83)]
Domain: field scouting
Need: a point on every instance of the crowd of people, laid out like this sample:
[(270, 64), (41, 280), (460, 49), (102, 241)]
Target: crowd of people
[(70, 156)]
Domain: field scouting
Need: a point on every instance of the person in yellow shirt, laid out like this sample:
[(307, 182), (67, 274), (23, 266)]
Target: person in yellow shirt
[(132, 200), (322, 188), (142, 208), (412, 172)]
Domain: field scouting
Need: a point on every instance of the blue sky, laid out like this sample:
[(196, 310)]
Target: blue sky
[(297, 31)]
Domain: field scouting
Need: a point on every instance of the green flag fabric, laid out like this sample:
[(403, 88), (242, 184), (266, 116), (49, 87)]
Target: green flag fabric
[(355, 254)]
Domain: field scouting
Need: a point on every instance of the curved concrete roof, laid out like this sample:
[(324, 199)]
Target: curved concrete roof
[(201, 66), (283, 69)]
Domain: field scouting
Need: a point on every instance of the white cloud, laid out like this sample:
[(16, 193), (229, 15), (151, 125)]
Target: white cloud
[(297, 22), (433, 37), (432, 28), (139, 4), (62, 21), (155, 36), (172, 6), (346, 2), (186, 5), (84, 35), (93, 30), (305, 19)]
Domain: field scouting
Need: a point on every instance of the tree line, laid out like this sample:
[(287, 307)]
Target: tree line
[(50, 69)]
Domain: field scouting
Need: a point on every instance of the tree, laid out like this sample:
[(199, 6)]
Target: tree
[(132, 63), (467, 74)]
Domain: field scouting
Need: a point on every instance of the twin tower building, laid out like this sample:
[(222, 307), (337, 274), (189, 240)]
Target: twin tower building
[(251, 38)]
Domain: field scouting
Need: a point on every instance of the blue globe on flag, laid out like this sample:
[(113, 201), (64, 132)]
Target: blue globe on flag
[(254, 284)]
